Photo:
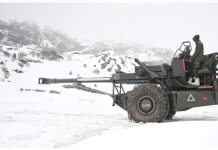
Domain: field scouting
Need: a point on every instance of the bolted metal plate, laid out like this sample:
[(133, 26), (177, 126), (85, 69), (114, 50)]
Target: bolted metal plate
[(189, 99)]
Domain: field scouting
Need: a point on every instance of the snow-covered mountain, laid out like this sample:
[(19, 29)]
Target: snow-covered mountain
[(13, 33), (23, 43), (146, 53), (19, 34), (17, 60)]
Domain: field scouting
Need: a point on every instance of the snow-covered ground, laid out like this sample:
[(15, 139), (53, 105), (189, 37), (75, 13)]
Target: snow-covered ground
[(187, 132), (32, 117)]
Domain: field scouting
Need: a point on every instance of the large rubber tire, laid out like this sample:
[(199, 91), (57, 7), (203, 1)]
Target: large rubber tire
[(148, 103)]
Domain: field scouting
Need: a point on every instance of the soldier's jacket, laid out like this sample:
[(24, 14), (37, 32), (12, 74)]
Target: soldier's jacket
[(199, 52)]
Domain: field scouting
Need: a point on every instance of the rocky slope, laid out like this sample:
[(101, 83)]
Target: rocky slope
[(23, 43)]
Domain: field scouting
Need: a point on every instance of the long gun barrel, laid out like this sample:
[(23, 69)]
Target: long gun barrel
[(120, 77), (74, 80)]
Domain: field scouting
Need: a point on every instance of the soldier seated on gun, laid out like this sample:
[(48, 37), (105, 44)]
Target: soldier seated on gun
[(197, 58)]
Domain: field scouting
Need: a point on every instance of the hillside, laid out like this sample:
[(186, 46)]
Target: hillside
[(23, 43), (13, 33)]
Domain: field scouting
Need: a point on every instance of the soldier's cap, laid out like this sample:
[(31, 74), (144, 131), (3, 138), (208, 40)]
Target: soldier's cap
[(196, 37)]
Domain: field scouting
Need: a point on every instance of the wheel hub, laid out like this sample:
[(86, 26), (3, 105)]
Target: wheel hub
[(146, 105)]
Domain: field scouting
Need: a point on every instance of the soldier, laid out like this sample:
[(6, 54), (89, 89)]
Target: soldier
[(197, 58)]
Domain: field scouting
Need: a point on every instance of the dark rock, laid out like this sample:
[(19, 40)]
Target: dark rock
[(54, 92), (38, 90), (18, 71)]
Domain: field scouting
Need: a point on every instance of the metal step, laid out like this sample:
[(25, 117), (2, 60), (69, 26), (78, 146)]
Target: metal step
[(205, 87)]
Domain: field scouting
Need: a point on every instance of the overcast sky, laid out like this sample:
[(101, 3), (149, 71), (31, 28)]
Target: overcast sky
[(155, 24)]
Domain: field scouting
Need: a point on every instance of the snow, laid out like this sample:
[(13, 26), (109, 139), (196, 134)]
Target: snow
[(192, 129), (30, 119), (79, 120), (176, 135)]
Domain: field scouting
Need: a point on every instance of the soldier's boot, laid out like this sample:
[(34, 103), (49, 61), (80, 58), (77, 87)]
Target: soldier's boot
[(194, 81)]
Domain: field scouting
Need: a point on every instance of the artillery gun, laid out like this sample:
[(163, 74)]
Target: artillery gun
[(161, 90)]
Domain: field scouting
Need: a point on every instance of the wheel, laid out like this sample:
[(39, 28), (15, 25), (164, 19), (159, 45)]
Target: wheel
[(147, 103)]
